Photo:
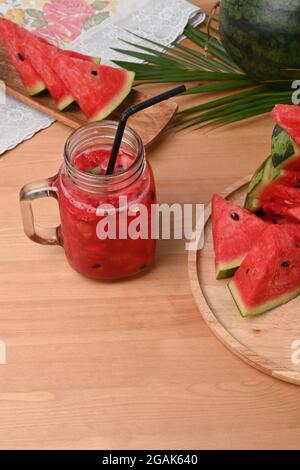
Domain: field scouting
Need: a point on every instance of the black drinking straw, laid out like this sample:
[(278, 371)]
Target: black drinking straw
[(129, 112)]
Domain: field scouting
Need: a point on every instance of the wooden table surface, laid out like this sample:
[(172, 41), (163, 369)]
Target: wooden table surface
[(128, 365)]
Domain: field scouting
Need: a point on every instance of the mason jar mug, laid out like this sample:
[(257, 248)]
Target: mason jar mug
[(106, 221)]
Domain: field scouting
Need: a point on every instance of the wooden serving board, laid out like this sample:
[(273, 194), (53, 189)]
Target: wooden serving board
[(148, 123), (265, 342)]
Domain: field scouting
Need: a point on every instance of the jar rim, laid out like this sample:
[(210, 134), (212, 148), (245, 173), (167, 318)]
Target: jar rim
[(90, 181)]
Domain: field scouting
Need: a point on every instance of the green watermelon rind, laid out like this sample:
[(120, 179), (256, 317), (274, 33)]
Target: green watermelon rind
[(65, 102), (283, 148), (247, 312), (259, 181), (37, 88), (252, 204), (113, 104), (227, 269), (257, 178)]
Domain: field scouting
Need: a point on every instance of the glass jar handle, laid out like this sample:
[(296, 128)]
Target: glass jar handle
[(38, 190)]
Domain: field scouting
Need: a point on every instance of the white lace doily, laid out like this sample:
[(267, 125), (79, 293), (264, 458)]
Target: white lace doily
[(19, 122), (158, 20)]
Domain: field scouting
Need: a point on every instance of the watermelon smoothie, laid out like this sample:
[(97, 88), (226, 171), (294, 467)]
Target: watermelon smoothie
[(97, 211), (86, 196)]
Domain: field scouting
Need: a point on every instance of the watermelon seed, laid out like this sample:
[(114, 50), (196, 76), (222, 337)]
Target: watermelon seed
[(143, 267), (285, 264), (21, 57), (120, 168), (94, 72), (260, 213), (235, 216), (97, 266), (248, 271)]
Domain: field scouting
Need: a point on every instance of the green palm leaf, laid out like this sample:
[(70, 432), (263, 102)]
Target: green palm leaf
[(213, 73)]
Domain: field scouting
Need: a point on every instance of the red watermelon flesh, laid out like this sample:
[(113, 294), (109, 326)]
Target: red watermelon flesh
[(288, 178), (288, 117), (235, 230), (285, 195), (98, 89), (282, 213), (276, 219), (38, 53), (270, 274), (293, 164), (36, 50), (79, 55), (12, 43), (280, 206)]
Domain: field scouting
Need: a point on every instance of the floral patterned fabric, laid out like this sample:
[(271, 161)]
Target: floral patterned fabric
[(58, 20)]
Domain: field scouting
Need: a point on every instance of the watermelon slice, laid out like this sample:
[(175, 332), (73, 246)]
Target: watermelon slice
[(281, 167), (272, 184), (288, 118), (38, 54), (36, 51), (285, 151), (13, 44), (234, 232), (98, 89), (270, 274)]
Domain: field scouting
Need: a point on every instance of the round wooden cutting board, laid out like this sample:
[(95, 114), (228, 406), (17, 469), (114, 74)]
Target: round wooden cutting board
[(269, 342)]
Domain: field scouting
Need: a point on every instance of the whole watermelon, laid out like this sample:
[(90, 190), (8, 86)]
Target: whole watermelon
[(262, 36)]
